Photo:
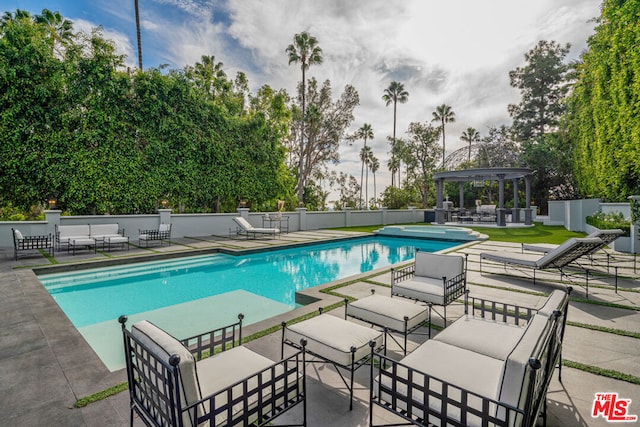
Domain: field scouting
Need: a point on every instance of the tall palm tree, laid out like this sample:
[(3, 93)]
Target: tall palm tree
[(365, 156), (393, 94), (470, 135), (374, 164), (365, 132), (303, 50), (443, 114), (135, 4)]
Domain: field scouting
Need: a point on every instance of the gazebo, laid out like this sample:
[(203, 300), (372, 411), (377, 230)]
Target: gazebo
[(487, 174)]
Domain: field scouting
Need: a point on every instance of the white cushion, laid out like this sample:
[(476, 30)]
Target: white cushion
[(18, 234), (487, 337), (332, 338), (164, 227), (162, 346), (103, 230), (388, 312), (68, 231), (438, 265), (514, 381), (116, 239), (552, 303), (528, 260), (425, 289), (227, 368), (462, 368)]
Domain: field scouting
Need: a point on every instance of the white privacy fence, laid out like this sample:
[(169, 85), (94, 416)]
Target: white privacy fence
[(214, 224)]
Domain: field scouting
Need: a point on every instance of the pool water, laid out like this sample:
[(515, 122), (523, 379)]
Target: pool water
[(191, 295)]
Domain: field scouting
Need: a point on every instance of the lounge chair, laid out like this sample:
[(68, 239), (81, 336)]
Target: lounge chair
[(607, 237), (437, 279), (249, 230), (558, 258), (171, 385), (26, 243), (160, 235)]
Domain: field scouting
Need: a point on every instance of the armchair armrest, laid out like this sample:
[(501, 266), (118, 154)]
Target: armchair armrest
[(402, 273), (217, 340), (507, 313), (454, 287)]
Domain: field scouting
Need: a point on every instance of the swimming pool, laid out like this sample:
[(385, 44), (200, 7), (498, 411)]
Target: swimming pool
[(193, 294)]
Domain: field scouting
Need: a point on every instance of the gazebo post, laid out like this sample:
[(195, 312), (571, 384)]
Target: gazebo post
[(527, 210), (515, 213), (461, 186), (501, 210), (439, 205)]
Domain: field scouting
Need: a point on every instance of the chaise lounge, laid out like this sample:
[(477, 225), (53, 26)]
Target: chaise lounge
[(249, 230), (171, 384), (558, 258)]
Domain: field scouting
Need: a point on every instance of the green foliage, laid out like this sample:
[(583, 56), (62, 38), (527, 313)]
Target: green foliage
[(542, 84), (101, 140), (399, 198), (610, 221), (605, 105)]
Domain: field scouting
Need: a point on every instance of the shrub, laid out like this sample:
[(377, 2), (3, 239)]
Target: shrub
[(609, 221)]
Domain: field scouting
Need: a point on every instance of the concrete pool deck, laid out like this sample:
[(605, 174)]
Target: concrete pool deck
[(45, 365)]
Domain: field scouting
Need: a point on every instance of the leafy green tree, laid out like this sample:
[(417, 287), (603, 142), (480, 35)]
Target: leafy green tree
[(392, 95), (443, 114), (365, 132), (543, 85), (326, 124), (604, 105), (303, 50), (423, 154), (470, 136)]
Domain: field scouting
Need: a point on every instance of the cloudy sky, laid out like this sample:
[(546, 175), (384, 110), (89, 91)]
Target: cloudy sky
[(457, 52)]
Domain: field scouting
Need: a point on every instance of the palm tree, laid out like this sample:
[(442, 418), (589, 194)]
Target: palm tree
[(135, 4), (304, 50), (395, 93), (374, 164), (470, 135), (394, 166), (443, 114), (365, 132), (208, 74), (60, 29), (365, 155)]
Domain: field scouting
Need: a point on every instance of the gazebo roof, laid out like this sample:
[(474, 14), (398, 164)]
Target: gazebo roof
[(484, 174)]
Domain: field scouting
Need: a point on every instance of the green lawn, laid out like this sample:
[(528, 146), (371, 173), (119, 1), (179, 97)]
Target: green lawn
[(538, 234)]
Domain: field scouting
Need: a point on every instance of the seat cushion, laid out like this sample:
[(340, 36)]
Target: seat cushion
[(228, 367), (460, 367), (425, 289), (331, 337), (116, 239), (388, 312), (528, 260), (487, 337)]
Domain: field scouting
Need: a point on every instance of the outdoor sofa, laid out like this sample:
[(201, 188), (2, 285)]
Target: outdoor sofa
[(491, 367), (90, 235), (209, 379)]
